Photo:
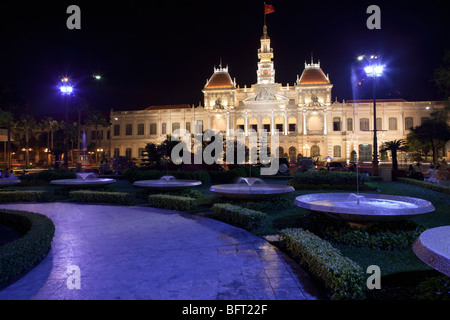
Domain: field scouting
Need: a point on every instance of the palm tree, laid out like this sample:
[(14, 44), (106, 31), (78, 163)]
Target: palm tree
[(394, 146), (96, 119), (27, 127), (7, 121)]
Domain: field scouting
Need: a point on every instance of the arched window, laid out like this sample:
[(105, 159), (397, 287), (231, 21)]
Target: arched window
[(128, 153), (392, 123), (409, 123), (365, 152), (116, 152), (349, 124), (175, 126), (364, 124), (292, 122), (336, 124), (292, 154), (315, 151), (152, 128), (337, 151), (379, 124)]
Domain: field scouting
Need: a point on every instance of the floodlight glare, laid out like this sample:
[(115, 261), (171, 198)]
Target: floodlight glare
[(66, 89)]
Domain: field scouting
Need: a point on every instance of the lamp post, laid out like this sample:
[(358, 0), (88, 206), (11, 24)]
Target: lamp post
[(66, 90), (374, 71)]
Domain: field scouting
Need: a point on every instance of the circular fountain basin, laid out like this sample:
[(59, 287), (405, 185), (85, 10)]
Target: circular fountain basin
[(251, 189), (93, 182), (433, 248), (4, 183), (167, 183), (83, 180), (364, 207)]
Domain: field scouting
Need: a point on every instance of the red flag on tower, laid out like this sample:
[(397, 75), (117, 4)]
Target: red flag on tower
[(268, 8)]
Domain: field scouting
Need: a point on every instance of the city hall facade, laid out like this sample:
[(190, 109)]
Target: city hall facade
[(303, 115)]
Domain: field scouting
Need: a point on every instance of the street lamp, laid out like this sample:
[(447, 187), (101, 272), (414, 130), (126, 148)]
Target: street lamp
[(66, 90), (374, 70)]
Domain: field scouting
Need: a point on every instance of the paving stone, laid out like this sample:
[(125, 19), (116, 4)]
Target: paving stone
[(142, 253)]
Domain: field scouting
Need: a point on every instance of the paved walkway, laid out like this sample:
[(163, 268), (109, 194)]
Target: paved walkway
[(145, 253)]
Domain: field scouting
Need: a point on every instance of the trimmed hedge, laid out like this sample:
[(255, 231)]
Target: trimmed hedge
[(137, 174), (323, 178), (19, 256), (395, 235), (24, 196), (49, 175), (170, 202), (230, 176), (424, 184), (122, 198), (343, 277), (241, 217)]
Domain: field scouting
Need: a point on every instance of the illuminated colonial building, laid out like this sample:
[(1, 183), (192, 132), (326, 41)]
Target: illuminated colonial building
[(303, 115)]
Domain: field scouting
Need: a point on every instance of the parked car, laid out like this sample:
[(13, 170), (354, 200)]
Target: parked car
[(334, 166), (306, 163)]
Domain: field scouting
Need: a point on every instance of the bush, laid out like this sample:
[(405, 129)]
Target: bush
[(137, 174), (398, 235), (24, 196), (327, 178), (424, 184), (343, 277), (170, 202), (48, 175), (275, 204), (232, 175), (19, 256), (122, 198), (241, 217)]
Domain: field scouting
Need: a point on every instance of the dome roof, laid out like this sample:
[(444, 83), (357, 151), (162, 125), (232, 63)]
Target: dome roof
[(220, 80), (313, 74)]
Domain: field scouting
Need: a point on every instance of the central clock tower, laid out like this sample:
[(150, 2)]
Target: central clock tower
[(266, 71)]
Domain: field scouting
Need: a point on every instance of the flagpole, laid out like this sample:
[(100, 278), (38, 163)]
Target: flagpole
[(264, 13)]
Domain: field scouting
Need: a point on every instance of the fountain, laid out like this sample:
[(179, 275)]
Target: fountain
[(364, 208), (432, 247), (167, 183), (85, 179), (4, 183), (250, 188)]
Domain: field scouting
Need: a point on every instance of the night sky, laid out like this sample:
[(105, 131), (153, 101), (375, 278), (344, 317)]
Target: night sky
[(162, 52)]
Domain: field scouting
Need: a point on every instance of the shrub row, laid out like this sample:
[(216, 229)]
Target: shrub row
[(241, 217), (275, 204), (229, 176), (396, 235), (122, 198), (137, 174), (19, 256), (424, 184), (232, 175), (170, 202), (343, 277), (330, 178), (48, 175), (24, 196)]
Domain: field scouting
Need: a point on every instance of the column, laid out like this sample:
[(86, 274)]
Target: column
[(285, 123), (304, 122), (272, 125), (324, 121)]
